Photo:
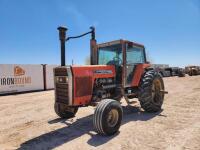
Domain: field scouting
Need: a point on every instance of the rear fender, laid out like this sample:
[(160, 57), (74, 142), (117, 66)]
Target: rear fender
[(138, 74)]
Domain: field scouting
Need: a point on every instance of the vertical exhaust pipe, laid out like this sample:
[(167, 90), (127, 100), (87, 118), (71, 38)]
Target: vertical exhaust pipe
[(93, 48), (93, 44), (62, 37)]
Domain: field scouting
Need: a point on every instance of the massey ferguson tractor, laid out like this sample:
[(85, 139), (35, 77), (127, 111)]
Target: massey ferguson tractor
[(118, 69)]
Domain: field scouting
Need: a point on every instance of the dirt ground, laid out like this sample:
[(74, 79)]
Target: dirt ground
[(28, 121)]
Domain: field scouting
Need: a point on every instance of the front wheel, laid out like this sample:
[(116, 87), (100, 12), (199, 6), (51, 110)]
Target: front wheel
[(64, 111), (107, 117), (151, 93)]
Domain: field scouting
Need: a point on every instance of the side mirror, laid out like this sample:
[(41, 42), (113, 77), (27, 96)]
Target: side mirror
[(148, 62)]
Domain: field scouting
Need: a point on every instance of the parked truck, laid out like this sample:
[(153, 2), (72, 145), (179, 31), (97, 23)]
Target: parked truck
[(192, 70)]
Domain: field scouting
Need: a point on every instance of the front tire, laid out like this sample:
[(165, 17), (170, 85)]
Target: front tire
[(151, 93), (64, 111), (107, 117)]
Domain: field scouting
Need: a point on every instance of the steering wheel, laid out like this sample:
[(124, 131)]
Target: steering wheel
[(117, 59)]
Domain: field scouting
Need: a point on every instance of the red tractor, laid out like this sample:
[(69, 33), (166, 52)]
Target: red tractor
[(118, 69)]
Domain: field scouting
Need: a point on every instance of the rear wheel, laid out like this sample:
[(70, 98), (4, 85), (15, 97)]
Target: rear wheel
[(151, 93), (107, 117), (64, 111)]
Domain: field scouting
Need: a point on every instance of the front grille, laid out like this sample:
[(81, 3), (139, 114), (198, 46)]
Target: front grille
[(61, 85), (62, 93)]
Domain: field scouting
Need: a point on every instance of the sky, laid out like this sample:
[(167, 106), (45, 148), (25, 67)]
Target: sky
[(169, 29)]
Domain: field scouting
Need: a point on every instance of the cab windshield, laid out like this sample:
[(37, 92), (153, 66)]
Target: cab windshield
[(110, 55)]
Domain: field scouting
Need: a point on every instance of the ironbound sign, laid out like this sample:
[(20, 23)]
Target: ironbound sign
[(19, 78)]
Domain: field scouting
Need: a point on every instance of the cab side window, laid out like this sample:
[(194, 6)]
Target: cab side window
[(134, 55)]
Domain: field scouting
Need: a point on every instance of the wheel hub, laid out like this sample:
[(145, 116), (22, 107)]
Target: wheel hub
[(156, 91), (113, 117)]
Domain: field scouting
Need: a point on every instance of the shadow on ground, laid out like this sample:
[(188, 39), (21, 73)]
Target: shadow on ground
[(82, 126)]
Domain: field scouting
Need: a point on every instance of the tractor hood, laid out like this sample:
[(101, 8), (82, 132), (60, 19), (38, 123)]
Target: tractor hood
[(95, 71), (84, 78)]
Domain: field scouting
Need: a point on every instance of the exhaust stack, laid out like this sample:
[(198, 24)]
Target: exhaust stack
[(62, 37)]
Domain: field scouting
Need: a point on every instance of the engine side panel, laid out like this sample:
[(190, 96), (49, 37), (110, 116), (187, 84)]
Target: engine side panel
[(83, 81)]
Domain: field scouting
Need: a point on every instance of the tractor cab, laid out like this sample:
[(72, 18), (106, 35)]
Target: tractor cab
[(124, 55)]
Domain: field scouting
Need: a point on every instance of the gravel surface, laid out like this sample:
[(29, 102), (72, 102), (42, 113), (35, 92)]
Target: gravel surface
[(28, 121)]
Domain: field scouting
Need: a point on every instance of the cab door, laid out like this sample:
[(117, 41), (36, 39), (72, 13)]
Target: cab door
[(135, 55)]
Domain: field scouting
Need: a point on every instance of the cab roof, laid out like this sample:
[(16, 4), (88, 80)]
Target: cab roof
[(120, 41)]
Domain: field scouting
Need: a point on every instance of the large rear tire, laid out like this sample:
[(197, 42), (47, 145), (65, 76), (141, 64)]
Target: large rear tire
[(107, 117), (151, 94), (64, 111)]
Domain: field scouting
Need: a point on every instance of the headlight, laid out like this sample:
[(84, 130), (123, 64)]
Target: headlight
[(62, 80)]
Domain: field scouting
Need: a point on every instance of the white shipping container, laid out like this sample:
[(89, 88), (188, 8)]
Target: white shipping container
[(19, 78), (50, 76)]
